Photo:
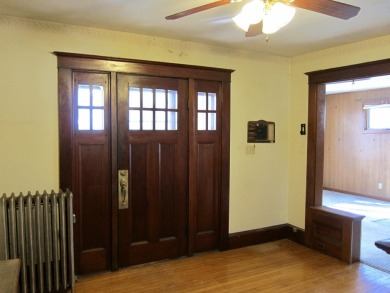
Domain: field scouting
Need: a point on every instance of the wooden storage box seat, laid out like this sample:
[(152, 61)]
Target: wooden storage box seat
[(336, 233)]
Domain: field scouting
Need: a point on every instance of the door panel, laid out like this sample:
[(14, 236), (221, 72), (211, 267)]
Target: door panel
[(205, 166), (155, 151), (92, 195), (207, 199), (91, 172)]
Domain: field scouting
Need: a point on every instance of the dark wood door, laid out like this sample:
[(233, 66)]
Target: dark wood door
[(205, 165), (91, 171), (153, 148), (173, 139)]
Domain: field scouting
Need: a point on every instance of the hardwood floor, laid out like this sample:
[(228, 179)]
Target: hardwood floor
[(280, 266)]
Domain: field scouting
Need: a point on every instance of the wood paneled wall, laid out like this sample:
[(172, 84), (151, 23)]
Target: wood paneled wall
[(354, 161)]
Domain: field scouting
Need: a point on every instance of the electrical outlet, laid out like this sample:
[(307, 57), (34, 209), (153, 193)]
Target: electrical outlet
[(250, 149), (380, 185)]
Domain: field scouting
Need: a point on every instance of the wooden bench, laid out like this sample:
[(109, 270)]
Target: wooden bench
[(384, 245), (336, 233)]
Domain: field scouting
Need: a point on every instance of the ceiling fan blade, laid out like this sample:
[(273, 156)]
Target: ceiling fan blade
[(255, 30), (198, 9), (328, 7)]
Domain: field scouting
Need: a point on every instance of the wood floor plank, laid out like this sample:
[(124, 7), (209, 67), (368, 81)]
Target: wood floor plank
[(281, 266)]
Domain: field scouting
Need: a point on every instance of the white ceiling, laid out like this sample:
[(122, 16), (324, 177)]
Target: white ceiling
[(308, 31), (375, 82)]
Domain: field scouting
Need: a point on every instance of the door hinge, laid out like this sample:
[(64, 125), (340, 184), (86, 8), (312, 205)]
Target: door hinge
[(74, 218)]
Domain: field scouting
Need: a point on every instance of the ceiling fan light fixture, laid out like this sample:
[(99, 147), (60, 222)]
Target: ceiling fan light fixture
[(285, 13), (241, 21), (251, 13), (277, 17), (270, 26)]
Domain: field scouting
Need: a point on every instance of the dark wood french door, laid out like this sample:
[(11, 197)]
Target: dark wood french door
[(144, 147), (153, 151)]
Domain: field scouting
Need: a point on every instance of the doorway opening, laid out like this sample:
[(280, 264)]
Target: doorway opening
[(356, 156), (317, 139), (144, 147)]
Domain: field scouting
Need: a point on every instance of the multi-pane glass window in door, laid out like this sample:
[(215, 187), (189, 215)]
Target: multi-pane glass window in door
[(207, 111), (90, 107), (152, 109)]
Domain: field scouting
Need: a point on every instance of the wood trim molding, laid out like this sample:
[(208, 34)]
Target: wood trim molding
[(225, 167), (362, 70), (112, 64), (268, 234)]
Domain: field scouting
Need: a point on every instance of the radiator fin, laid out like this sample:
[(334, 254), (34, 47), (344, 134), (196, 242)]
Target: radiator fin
[(38, 229)]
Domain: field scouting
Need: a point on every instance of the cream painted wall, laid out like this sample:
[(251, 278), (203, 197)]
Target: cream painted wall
[(267, 188), (366, 51), (28, 109)]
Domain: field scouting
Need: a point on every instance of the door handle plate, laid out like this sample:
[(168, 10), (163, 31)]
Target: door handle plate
[(123, 189)]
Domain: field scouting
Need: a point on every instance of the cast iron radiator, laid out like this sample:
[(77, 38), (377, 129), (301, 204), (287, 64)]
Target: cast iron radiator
[(38, 229)]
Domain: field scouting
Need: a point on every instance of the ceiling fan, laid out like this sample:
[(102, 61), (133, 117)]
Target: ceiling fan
[(268, 16)]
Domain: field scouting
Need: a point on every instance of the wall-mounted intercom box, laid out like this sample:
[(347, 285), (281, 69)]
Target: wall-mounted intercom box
[(261, 131)]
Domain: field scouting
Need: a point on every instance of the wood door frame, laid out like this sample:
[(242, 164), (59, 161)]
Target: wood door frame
[(316, 124), (70, 62)]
